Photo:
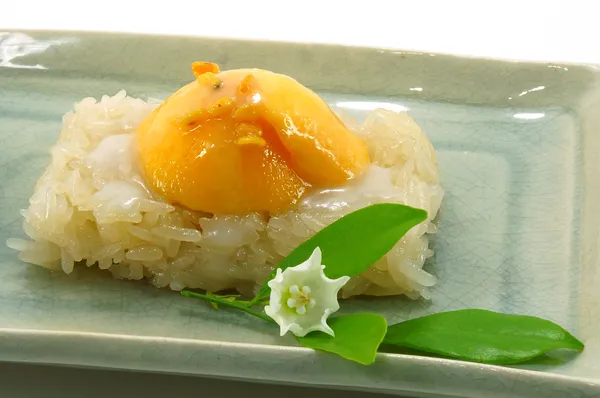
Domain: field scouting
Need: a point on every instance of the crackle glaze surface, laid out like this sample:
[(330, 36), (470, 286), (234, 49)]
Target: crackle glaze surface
[(518, 147)]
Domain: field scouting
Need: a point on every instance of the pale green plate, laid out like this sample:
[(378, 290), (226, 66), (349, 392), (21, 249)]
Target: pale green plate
[(519, 150)]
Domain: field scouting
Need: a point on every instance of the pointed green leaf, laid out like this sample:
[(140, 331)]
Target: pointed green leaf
[(356, 241), (482, 336), (357, 337)]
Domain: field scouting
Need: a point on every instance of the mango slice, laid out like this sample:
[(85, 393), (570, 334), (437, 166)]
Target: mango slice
[(245, 140)]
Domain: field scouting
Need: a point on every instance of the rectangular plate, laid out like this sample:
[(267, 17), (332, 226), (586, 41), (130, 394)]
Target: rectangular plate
[(518, 146)]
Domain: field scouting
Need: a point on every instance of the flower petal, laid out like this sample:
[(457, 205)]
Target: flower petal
[(309, 294)]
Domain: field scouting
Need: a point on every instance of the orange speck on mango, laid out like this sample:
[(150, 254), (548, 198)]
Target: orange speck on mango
[(246, 85), (245, 140), (200, 68), (251, 140)]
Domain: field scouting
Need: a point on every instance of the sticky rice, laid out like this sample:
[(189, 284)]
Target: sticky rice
[(92, 207)]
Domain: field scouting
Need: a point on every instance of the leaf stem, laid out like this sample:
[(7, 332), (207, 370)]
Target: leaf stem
[(255, 301), (244, 306)]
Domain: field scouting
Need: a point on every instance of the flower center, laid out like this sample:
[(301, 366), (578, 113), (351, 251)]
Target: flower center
[(300, 299)]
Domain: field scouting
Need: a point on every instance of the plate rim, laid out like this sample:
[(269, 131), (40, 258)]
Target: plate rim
[(28, 336)]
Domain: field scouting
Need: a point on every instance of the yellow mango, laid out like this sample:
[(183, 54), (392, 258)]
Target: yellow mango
[(245, 140)]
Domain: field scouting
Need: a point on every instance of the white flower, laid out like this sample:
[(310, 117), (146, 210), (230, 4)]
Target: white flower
[(302, 297)]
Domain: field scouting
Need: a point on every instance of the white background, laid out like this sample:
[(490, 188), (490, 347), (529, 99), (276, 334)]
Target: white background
[(551, 30)]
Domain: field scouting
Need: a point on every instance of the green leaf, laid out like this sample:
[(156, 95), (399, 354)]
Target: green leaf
[(357, 337), (356, 241), (482, 336)]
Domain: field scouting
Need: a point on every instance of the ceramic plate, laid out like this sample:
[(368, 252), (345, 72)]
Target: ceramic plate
[(518, 147)]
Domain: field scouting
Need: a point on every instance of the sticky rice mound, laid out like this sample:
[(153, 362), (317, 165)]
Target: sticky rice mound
[(92, 207)]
